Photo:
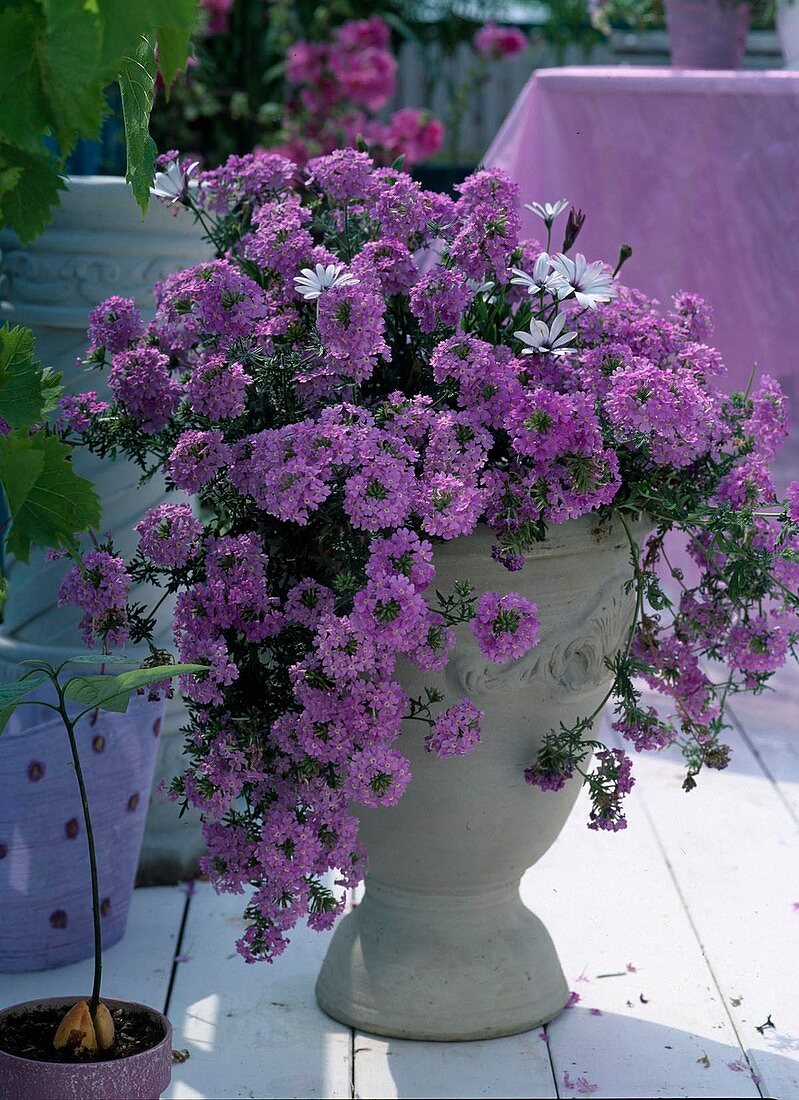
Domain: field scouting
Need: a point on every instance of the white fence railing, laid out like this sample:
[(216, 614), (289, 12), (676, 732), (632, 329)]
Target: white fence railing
[(429, 81)]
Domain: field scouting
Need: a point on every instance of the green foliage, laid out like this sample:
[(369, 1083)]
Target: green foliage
[(56, 59), (235, 97), (13, 694), (136, 83), (47, 502), (110, 693), (29, 186), (113, 692), (27, 391), (567, 23)]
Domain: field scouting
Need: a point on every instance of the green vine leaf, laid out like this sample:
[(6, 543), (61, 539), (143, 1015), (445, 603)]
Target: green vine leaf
[(113, 692), (48, 501), (136, 82), (31, 182), (11, 695), (26, 391)]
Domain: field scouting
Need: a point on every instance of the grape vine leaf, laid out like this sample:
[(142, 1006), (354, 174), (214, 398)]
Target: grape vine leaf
[(48, 501), (26, 391), (136, 82), (31, 183)]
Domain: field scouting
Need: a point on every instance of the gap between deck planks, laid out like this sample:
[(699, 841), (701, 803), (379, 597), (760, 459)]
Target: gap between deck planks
[(732, 847)]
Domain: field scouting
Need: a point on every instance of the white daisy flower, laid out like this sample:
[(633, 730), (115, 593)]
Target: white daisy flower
[(591, 283), (172, 185), (311, 283), (541, 280), (547, 211), (543, 339)]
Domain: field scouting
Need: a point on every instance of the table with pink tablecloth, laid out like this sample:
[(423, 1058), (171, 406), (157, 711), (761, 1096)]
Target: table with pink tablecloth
[(697, 171)]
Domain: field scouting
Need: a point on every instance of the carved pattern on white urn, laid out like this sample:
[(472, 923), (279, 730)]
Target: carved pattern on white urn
[(81, 280), (574, 662)]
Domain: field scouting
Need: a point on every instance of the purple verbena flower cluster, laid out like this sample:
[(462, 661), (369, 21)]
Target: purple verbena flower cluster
[(369, 370)]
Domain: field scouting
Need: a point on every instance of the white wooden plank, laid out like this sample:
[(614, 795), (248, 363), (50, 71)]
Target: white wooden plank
[(517, 1066), (770, 724), (733, 848), (609, 901), (252, 1031), (135, 969)]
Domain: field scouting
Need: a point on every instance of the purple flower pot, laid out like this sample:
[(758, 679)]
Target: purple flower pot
[(707, 34), (45, 896), (140, 1077)]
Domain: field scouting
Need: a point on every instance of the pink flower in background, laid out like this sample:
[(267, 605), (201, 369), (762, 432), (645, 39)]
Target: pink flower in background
[(218, 14), (793, 501), (114, 324), (365, 76), (336, 89), (99, 587), (413, 133), (169, 535), (140, 381), (76, 413), (361, 34), (305, 62), (495, 42)]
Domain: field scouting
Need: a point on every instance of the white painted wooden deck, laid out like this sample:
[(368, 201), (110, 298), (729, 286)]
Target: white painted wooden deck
[(680, 936)]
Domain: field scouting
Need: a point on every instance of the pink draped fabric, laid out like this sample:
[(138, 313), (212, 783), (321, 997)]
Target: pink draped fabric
[(697, 171)]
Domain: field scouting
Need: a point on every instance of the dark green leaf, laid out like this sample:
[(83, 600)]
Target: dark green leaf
[(173, 48), (24, 115), (136, 82), (123, 22), (49, 510), (27, 205), (69, 63), (12, 694), (24, 386)]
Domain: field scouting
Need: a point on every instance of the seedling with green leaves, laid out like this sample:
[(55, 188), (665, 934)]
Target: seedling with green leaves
[(86, 1027)]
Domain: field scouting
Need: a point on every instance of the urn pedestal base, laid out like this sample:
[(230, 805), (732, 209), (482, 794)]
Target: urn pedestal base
[(442, 946), (495, 972)]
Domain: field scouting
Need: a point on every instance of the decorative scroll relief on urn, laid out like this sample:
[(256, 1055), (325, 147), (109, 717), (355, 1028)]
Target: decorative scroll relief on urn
[(55, 278), (97, 246)]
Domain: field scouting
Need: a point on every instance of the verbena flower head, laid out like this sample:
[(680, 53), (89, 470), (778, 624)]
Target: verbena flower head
[(365, 372)]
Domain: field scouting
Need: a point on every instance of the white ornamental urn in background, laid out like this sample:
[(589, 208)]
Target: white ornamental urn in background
[(787, 18), (441, 947), (96, 246)]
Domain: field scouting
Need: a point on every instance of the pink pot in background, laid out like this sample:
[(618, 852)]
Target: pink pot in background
[(142, 1076), (707, 34)]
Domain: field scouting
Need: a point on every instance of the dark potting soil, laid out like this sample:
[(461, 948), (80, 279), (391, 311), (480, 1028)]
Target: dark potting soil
[(30, 1035)]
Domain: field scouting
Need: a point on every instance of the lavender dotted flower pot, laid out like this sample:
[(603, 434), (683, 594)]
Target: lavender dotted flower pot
[(97, 245), (442, 947), (143, 1076), (707, 34), (45, 899)]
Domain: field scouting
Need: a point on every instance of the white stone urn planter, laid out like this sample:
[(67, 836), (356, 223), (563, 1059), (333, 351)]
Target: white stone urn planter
[(441, 947), (97, 245), (787, 18)]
